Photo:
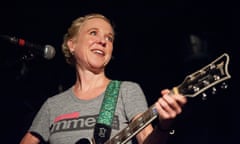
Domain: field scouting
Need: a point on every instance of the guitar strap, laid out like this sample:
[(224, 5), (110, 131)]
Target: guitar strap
[(103, 125)]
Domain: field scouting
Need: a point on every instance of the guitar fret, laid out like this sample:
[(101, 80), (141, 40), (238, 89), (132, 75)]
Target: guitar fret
[(139, 122), (127, 131)]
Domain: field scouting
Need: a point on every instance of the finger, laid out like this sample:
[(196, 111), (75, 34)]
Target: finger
[(163, 114), (172, 104), (180, 99), (165, 91), (166, 107)]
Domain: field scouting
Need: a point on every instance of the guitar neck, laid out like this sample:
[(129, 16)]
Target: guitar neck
[(134, 127)]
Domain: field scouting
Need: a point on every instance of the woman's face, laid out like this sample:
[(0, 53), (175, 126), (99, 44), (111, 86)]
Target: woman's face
[(93, 45)]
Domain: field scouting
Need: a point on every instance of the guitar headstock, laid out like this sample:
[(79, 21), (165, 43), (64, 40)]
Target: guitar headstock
[(212, 74)]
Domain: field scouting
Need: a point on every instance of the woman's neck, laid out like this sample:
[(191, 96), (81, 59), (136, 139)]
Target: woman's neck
[(88, 85)]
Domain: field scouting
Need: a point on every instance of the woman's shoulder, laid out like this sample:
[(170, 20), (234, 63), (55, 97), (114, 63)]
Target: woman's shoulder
[(60, 96), (129, 84)]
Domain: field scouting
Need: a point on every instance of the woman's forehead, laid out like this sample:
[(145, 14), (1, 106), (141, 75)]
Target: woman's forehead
[(97, 23)]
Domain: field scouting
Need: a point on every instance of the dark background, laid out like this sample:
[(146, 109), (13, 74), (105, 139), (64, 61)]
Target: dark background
[(152, 47)]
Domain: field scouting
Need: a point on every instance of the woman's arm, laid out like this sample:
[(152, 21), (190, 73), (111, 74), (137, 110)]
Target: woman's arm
[(29, 139)]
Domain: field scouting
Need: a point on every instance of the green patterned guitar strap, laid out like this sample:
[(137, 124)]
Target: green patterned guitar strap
[(103, 125)]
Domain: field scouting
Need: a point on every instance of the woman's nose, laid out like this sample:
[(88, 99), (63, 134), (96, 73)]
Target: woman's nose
[(102, 41)]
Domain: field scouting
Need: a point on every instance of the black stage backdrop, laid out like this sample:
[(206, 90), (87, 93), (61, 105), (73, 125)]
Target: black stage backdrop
[(155, 44)]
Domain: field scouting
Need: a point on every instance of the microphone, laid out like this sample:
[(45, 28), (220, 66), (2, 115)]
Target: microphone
[(46, 51)]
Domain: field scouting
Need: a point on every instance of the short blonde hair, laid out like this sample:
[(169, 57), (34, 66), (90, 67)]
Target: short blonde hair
[(73, 31)]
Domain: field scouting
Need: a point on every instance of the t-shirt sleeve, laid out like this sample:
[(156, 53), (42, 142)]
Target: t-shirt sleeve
[(41, 124), (134, 99)]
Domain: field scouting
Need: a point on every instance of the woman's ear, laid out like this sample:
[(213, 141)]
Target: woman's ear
[(70, 44)]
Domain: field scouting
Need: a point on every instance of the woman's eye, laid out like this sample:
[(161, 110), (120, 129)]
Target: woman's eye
[(93, 33), (109, 38)]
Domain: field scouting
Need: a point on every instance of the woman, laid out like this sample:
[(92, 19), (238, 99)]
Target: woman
[(71, 115)]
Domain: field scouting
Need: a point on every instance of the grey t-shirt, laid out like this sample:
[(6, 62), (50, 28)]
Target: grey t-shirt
[(64, 119)]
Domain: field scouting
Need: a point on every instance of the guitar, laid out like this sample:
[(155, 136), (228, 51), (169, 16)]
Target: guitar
[(194, 84)]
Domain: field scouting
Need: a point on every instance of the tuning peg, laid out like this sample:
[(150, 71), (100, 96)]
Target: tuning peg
[(224, 85), (204, 96), (214, 90)]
